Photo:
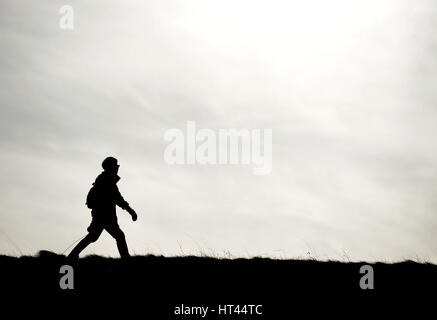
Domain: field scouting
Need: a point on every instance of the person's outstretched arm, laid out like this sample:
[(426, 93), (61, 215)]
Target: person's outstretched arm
[(125, 205)]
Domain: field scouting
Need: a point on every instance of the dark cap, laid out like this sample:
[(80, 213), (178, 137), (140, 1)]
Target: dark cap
[(109, 162)]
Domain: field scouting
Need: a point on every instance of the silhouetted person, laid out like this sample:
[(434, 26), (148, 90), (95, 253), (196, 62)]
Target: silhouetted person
[(102, 199)]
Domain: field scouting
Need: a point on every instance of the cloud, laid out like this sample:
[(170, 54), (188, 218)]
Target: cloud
[(348, 92)]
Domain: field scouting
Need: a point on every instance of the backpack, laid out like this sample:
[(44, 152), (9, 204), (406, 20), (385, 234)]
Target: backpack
[(91, 198)]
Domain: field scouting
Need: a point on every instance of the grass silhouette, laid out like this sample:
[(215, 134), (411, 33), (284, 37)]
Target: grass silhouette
[(159, 283)]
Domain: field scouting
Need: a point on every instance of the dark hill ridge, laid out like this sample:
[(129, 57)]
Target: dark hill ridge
[(160, 285)]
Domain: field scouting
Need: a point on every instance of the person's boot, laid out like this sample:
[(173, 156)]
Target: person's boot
[(74, 254)]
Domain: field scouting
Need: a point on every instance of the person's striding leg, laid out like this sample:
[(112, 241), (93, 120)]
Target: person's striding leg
[(114, 230), (94, 231)]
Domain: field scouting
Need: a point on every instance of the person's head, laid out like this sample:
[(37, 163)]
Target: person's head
[(110, 165)]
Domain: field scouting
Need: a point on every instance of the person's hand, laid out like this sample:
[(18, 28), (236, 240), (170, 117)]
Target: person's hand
[(134, 216)]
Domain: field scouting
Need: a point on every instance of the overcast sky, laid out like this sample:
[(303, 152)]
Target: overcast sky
[(348, 88)]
